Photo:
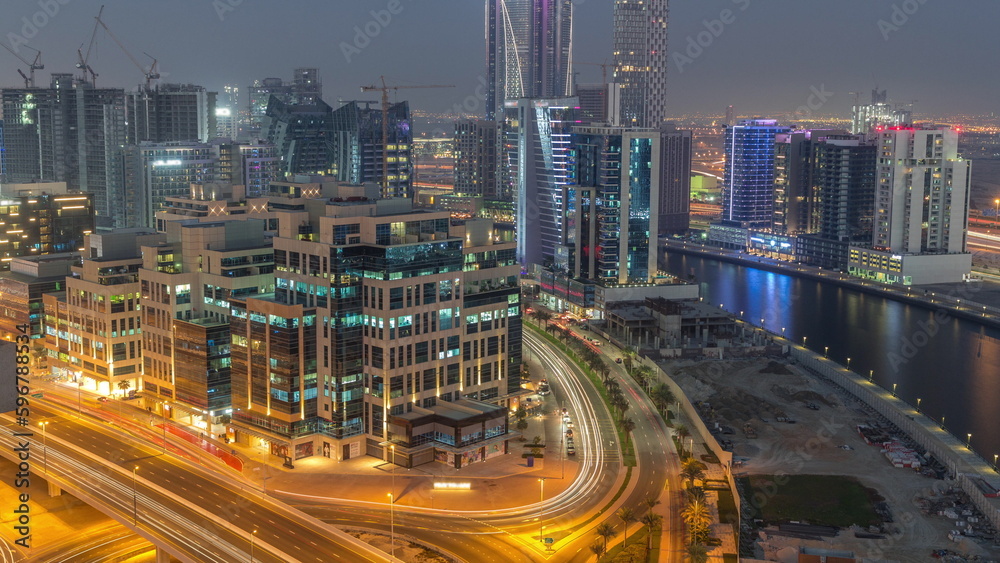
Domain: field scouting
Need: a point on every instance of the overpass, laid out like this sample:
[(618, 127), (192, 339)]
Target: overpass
[(184, 510)]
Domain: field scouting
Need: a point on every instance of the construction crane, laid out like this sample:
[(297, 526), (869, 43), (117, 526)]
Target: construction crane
[(29, 79), (385, 120), (604, 69), (82, 60), (151, 74)]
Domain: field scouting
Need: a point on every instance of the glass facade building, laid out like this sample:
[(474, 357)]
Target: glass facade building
[(748, 183), (640, 61)]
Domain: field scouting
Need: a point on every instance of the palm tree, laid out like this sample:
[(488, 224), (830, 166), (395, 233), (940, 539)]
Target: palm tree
[(651, 501), (628, 354), (598, 549), (691, 470), (627, 515), (543, 316), (696, 553), (651, 520), (623, 405), (628, 425), (662, 396), (698, 518), (681, 432), (606, 531), (694, 493), (643, 374)]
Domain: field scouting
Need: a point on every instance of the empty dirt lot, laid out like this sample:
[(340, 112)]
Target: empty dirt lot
[(823, 440)]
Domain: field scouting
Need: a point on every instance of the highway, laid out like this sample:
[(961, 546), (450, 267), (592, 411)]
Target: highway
[(174, 495), (204, 517)]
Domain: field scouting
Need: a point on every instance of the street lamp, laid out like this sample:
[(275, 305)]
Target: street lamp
[(995, 460), (996, 211), (803, 341), (45, 449), (253, 534), (871, 374), (392, 527), (826, 351), (942, 422), (782, 332), (968, 441), (918, 404), (541, 500), (135, 512), (392, 448), (848, 364), (894, 389)]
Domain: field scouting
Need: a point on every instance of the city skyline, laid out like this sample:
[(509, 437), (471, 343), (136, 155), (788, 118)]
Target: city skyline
[(884, 44)]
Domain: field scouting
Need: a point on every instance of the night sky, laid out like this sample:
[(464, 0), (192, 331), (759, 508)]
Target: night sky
[(768, 57)]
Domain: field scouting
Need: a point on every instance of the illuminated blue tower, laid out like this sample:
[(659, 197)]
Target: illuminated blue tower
[(748, 183)]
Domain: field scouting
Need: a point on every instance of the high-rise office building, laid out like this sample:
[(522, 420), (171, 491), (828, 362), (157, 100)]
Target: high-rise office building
[(868, 117), (748, 181), (476, 163), (171, 112), (640, 57), (389, 331), (155, 172), (302, 134), (922, 197), (625, 166), (3, 156), (730, 116), (921, 209), (675, 180), (543, 165), (43, 218), (795, 193), (70, 132), (93, 328), (304, 89), (357, 147), (226, 124), (22, 289), (529, 45), (187, 285)]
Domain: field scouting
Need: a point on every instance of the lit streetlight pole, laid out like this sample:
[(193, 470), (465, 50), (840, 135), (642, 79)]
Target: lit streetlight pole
[(894, 389), (995, 456), (968, 441), (848, 364), (541, 501), (826, 351), (996, 211), (45, 448), (918, 404), (135, 504), (253, 534), (392, 526), (803, 341)]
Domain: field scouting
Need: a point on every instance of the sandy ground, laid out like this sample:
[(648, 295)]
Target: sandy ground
[(405, 550), (738, 394)]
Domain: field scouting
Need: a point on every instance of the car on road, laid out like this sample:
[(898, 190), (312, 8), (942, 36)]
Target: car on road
[(570, 450), (618, 360), (102, 399)]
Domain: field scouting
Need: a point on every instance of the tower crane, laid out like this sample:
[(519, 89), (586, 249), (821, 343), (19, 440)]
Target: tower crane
[(29, 79), (604, 69), (385, 119), (151, 74), (82, 60)]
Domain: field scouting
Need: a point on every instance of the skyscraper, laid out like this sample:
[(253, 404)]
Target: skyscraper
[(624, 164), (640, 54), (70, 132), (542, 172), (476, 158), (922, 197), (529, 46), (748, 182), (879, 112), (171, 112), (302, 133), (675, 180), (357, 147)]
